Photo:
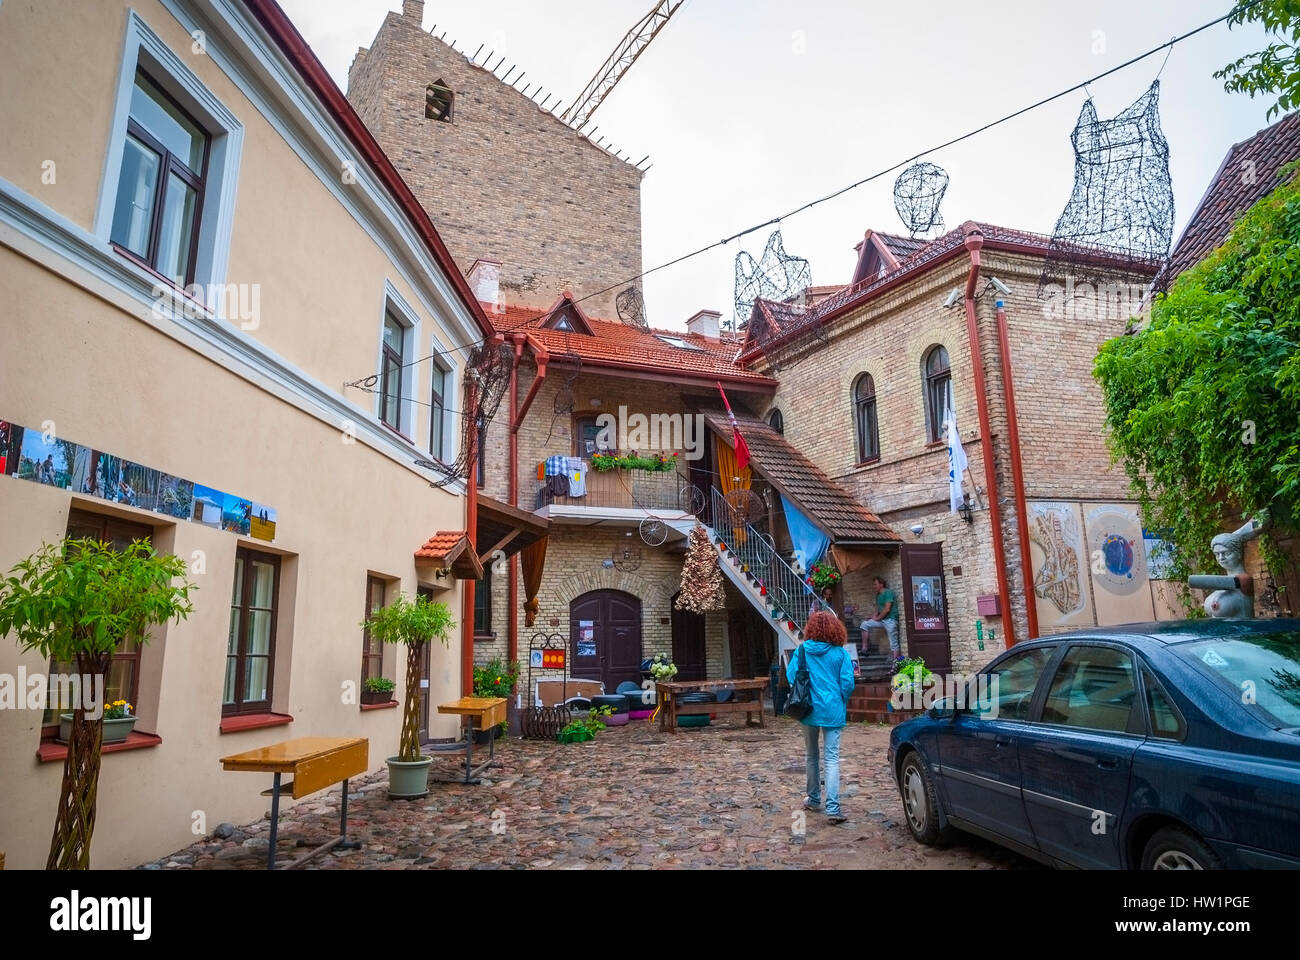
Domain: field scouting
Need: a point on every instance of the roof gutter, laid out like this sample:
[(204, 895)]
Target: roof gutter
[(974, 242)]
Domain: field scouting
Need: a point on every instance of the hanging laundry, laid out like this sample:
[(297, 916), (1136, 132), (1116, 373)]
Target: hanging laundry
[(556, 466), (577, 474)]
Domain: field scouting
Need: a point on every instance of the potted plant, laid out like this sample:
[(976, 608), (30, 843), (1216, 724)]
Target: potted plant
[(910, 677), (662, 667), (77, 602), (413, 624), (823, 575), (377, 690), (585, 728), (118, 723), (494, 679)]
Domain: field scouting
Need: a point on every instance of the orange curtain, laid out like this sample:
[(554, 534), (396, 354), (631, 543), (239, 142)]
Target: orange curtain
[(730, 478), (532, 559), (847, 561)]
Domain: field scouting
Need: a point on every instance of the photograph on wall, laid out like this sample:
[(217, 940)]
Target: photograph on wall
[(11, 441), (1117, 564), (1062, 597), (236, 515), (208, 504), (49, 463), (137, 486), (103, 476), (1159, 552), (175, 497), (262, 522), (927, 602), (586, 638)]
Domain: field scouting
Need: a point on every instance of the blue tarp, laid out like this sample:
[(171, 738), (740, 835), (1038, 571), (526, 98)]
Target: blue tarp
[(809, 542)]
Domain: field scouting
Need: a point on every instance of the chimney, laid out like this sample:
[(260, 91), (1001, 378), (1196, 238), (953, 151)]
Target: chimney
[(485, 280), (705, 323), (413, 10)]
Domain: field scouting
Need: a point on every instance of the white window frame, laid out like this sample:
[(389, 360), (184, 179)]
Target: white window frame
[(447, 453), (144, 50), (395, 304)]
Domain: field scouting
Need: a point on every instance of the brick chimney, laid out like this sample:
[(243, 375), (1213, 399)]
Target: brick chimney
[(485, 280), (705, 323), (413, 10)]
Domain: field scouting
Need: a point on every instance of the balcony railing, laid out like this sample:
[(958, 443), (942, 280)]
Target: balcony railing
[(666, 491)]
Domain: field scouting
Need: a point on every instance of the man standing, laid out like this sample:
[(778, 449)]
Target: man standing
[(886, 617)]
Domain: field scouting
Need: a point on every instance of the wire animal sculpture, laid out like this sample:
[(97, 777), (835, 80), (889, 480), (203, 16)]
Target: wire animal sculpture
[(777, 276), (1123, 198), (918, 191), (631, 308)]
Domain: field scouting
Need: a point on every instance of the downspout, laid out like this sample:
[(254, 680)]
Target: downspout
[(1017, 470), (517, 413), (471, 525), (974, 242)]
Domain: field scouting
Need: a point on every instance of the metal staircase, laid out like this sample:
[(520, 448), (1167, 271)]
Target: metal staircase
[(750, 561)]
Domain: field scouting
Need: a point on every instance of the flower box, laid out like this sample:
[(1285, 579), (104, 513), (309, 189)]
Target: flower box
[(115, 731)]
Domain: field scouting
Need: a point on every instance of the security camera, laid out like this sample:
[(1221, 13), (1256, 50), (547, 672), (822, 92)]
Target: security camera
[(917, 529), (999, 286), (953, 298)]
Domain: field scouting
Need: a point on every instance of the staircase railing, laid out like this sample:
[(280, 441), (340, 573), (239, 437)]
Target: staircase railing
[(787, 592)]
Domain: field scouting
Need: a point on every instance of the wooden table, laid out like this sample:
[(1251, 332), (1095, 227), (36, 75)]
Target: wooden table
[(315, 763), (488, 711), (670, 708)]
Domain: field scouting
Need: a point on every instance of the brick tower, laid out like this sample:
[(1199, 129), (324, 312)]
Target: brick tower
[(502, 179)]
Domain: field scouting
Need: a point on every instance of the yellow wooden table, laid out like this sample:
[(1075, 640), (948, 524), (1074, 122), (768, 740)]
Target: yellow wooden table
[(314, 763), (488, 711)]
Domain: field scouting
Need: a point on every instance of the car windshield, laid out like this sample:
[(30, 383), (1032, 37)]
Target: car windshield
[(1264, 670)]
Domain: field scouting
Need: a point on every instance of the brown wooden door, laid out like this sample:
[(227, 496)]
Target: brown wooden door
[(752, 642), (605, 637), (924, 623), (688, 644)]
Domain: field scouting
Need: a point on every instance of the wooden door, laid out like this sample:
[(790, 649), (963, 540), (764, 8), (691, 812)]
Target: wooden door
[(688, 644), (752, 642), (605, 637), (924, 624)]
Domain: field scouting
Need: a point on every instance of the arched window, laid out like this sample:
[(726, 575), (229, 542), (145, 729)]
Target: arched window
[(439, 101), (776, 422), (864, 418), (938, 392)]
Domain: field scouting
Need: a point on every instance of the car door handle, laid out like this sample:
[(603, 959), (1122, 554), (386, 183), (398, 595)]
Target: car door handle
[(1002, 741), (1107, 763)]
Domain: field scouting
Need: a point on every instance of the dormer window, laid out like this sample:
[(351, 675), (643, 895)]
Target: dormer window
[(678, 342), (439, 101), (563, 324)]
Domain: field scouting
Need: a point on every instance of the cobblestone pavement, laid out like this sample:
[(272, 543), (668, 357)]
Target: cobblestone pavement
[(722, 796)]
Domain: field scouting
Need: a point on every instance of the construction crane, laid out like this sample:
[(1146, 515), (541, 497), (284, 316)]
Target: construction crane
[(629, 48)]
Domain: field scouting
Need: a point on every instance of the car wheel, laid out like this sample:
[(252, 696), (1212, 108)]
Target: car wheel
[(1173, 848), (920, 802)]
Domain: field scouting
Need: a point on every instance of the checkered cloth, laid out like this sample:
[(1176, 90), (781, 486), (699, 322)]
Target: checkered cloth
[(557, 466)]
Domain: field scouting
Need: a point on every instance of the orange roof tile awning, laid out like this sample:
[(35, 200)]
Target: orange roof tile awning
[(451, 550)]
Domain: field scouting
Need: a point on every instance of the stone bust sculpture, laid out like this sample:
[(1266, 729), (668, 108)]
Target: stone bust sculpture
[(1233, 596)]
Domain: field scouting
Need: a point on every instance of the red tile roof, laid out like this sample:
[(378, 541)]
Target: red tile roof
[(620, 346), (1249, 172), (440, 545), (825, 502)]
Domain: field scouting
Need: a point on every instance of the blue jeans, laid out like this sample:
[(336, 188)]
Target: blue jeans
[(832, 736)]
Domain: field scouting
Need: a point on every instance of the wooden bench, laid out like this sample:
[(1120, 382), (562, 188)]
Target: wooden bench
[(314, 763), (670, 707)]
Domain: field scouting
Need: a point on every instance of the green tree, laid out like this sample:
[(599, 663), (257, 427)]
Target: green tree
[(78, 602), (1276, 68), (412, 623), (1201, 404)]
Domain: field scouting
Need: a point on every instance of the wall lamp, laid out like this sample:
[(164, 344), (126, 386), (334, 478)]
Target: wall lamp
[(964, 511)]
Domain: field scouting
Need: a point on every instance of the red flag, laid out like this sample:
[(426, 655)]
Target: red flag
[(737, 441)]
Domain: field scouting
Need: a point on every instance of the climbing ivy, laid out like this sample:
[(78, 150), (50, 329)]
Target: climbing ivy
[(1203, 403)]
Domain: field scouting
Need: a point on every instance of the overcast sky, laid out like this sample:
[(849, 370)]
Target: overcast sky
[(749, 108)]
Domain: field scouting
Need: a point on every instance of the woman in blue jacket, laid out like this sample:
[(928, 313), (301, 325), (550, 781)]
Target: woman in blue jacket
[(831, 671)]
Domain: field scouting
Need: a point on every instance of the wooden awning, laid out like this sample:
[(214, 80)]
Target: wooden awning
[(450, 550), (506, 528)]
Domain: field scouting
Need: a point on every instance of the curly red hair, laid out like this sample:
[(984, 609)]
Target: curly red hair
[(825, 626)]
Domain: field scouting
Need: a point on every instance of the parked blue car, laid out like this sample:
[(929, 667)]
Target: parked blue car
[(1167, 746)]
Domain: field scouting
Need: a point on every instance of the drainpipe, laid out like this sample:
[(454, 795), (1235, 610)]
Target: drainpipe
[(1017, 470), (517, 413), (974, 242), (471, 524)]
